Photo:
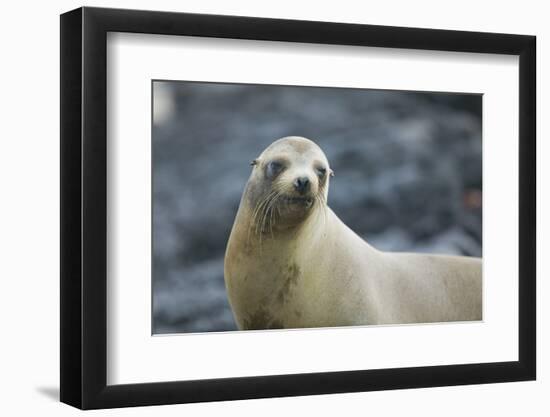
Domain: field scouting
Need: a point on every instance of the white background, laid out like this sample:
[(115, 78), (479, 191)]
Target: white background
[(30, 206)]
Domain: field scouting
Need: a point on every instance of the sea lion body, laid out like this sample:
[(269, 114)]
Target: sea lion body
[(316, 272)]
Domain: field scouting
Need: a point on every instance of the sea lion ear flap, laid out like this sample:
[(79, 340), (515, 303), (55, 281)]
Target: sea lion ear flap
[(331, 172), (254, 162)]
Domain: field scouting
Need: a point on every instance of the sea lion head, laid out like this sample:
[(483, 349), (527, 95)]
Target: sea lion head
[(289, 180)]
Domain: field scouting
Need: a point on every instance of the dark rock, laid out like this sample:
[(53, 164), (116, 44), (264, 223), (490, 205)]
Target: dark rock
[(408, 172)]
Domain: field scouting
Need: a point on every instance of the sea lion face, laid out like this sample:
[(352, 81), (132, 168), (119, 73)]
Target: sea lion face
[(289, 180)]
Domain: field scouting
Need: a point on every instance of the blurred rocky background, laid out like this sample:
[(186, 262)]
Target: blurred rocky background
[(408, 177)]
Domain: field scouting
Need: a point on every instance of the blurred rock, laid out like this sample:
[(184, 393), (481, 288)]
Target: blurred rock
[(408, 177)]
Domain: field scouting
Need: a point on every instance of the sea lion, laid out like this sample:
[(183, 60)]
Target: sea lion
[(292, 263)]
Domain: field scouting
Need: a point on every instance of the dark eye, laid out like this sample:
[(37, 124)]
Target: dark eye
[(273, 169), (321, 171)]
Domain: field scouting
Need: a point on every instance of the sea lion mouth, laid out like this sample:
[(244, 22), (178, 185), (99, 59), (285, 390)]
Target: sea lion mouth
[(297, 201)]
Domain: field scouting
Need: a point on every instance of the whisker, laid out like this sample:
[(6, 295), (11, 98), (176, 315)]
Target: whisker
[(255, 213)]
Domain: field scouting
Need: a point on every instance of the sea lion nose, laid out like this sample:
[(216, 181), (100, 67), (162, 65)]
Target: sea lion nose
[(301, 184)]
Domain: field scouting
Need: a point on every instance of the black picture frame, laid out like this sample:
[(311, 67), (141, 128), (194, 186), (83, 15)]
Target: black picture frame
[(84, 207)]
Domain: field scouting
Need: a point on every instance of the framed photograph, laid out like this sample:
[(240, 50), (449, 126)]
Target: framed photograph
[(257, 208)]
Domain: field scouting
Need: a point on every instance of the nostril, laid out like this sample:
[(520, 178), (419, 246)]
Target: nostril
[(301, 184)]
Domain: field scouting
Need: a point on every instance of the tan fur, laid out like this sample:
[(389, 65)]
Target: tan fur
[(319, 273)]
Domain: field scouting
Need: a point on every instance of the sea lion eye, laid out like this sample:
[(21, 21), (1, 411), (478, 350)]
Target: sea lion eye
[(321, 171), (273, 169)]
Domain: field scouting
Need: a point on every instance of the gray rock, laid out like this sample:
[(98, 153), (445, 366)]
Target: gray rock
[(404, 162)]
